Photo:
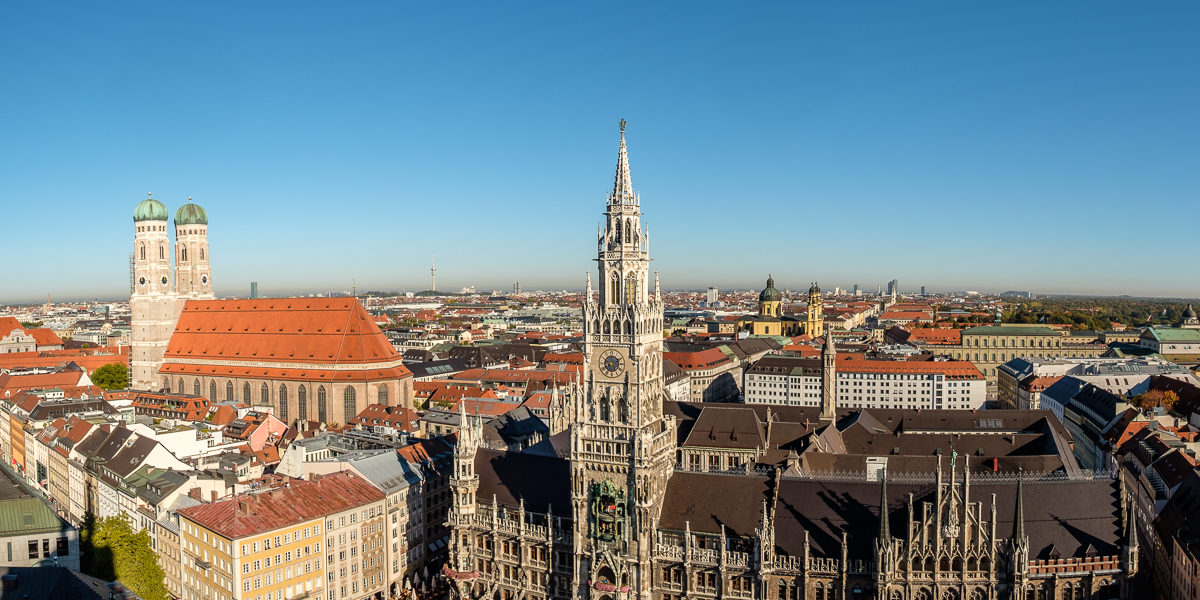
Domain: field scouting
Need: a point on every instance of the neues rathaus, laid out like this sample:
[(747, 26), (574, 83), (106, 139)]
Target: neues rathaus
[(637, 496)]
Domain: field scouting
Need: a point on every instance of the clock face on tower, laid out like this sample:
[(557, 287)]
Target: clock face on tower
[(611, 363)]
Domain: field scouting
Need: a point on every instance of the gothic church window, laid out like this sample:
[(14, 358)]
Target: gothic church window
[(246, 393), (283, 404), (212, 391), (162, 252), (196, 388), (229, 391), (321, 414), (382, 396), (183, 253), (201, 253), (302, 403), (264, 395), (631, 289), (614, 291), (628, 231), (348, 405), (142, 248)]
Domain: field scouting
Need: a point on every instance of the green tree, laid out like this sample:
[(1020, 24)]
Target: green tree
[(111, 551), (31, 324), (113, 376)]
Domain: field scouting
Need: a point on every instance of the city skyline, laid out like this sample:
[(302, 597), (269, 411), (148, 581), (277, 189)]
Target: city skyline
[(988, 164)]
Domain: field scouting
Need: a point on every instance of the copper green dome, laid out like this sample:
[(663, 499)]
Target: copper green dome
[(150, 210), (191, 214), (770, 294)]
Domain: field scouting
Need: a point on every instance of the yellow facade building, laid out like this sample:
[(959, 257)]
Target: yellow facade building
[(269, 544)]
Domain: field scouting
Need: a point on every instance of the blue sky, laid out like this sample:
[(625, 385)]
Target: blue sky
[(953, 145)]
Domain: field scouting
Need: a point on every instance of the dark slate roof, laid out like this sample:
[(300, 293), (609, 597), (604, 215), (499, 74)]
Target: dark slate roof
[(542, 481), (1068, 516), (727, 427), (705, 501)]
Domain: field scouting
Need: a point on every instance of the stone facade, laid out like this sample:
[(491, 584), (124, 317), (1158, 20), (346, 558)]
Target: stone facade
[(611, 511), (157, 300)]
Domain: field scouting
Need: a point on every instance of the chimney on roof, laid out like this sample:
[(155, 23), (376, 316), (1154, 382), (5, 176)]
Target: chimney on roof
[(243, 507), (194, 493)]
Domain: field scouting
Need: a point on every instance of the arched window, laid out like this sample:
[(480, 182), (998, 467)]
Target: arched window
[(246, 393), (229, 391), (212, 391), (628, 231), (283, 404), (201, 253), (142, 250), (614, 289), (382, 396), (264, 394), (631, 289), (183, 253), (618, 232), (196, 388), (302, 403), (321, 414), (349, 407), (162, 252)]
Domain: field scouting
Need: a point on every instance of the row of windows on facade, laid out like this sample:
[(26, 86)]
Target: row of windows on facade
[(349, 398), (631, 287), (162, 252)]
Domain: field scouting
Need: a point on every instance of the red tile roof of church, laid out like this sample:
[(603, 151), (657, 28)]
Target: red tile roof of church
[(310, 331)]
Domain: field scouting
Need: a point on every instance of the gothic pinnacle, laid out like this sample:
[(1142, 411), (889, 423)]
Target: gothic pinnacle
[(622, 185)]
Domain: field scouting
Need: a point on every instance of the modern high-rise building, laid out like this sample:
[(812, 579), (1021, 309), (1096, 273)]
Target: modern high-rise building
[(714, 296), (253, 290)]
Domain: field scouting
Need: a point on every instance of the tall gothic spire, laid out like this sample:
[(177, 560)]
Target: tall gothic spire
[(622, 185), (884, 528), (1019, 519)]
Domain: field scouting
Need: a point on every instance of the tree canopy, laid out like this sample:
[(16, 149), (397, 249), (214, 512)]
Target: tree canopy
[(111, 551), (113, 376)]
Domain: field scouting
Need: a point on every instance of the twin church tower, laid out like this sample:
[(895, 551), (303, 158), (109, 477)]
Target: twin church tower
[(159, 291)]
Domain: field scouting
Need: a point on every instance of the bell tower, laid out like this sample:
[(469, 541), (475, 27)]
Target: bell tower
[(192, 274), (622, 448), (152, 305)]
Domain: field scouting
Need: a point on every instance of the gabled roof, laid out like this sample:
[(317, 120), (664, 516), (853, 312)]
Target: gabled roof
[(291, 330), (298, 501)]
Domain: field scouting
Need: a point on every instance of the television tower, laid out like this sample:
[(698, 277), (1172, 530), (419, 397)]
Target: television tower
[(433, 271)]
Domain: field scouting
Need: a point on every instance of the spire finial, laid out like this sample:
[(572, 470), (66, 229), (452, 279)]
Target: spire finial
[(622, 185), (149, 194)]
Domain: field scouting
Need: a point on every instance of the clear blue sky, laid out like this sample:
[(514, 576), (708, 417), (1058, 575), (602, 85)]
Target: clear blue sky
[(1028, 145)]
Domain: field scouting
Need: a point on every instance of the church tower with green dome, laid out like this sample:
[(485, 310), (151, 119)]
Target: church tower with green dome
[(158, 294), (192, 274)]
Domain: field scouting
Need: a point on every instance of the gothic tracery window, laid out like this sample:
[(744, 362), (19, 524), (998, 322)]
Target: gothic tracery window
[(628, 231), (348, 405), (183, 253), (302, 403), (229, 391), (283, 404), (631, 289), (142, 249), (321, 412), (614, 289)]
